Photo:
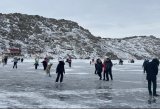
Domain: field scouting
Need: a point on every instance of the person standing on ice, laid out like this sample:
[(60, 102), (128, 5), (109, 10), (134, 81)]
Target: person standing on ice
[(22, 59), (145, 65), (69, 60), (15, 60), (108, 67), (36, 63), (48, 69), (45, 63), (99, 67), (152, 72), (60, 70)]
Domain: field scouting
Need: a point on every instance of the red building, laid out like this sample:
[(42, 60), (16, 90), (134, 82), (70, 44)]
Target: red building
[(12, 52)]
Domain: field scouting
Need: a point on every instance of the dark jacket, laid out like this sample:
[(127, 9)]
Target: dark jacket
[(99, 66), (145, 64), (44, 63), (60, 67), (108, 64), (152, 69)]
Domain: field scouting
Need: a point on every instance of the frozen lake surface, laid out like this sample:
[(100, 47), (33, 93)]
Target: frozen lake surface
[(26, 87)]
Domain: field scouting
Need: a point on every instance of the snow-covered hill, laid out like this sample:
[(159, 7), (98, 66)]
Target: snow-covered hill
[(35, 34)]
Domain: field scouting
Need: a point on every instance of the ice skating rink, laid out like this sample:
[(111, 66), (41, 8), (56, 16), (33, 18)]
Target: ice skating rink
[(26, 87)]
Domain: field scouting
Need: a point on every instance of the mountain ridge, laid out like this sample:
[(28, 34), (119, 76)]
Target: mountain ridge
[(48, 36)]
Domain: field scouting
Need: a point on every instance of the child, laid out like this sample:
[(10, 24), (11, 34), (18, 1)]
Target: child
[(48, 69)]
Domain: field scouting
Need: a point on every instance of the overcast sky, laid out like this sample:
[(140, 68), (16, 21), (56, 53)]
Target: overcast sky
[(105, 18)]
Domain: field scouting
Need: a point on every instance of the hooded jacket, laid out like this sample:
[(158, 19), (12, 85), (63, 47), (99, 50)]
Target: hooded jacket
[(152, 69), (60, 67)]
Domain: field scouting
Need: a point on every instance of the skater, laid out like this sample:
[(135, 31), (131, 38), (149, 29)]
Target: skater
[(48, 69), (45, 63), (36, 63), (5, 60), (152, 72), (22, 59), (60, 70), (15, 60), (144, 65), (120, 62), (69, 61), (108, 68), (99, 67), (104, 68)]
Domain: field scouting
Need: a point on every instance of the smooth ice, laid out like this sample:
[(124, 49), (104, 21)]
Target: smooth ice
[(26, 87)]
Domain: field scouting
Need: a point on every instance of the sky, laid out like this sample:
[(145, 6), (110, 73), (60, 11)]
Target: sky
[(104, 18)]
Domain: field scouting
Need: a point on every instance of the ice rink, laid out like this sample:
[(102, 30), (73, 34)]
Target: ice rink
[(26, 87)]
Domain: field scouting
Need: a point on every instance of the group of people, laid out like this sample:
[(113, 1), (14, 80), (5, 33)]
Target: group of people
[(15, 61), (105, 67), (60, 70)]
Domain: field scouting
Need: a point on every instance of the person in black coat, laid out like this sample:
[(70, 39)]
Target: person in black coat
[(152, 72), (45, 63), (108, 65), (99, 67), (60, 70), (145, 65)]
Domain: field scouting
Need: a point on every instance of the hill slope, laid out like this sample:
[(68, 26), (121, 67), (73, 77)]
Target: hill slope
[(35, 34)]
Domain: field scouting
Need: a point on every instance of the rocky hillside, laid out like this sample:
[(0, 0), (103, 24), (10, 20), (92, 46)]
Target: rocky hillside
[(34, 34)]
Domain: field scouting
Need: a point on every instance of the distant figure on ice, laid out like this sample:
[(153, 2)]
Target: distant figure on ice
[(15, 60), (60, 70), (99, 67), (95, 64), (145, 65), (152, 72), (36, 63), (92, 61), (22, 59), (108, 69), (5, 59), (69, 60), (132, 60), (48, 69), (120, 62), (45, 63)]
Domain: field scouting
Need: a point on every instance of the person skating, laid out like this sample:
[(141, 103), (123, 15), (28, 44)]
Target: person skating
[(152, 72), (108, 67), (60, 70), (104, 68), (99, 67), (15, 60), (36, 63), (22, 59), (69, 60), (145, 65), (45, 63), (48, 69), (120, 62), (5, 59)]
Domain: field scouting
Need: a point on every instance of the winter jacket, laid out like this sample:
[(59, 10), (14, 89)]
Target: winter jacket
[(108, 65), (152, 69), (145, 64), (99, 67), (44, 63), (60, 67), (48, 68)]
